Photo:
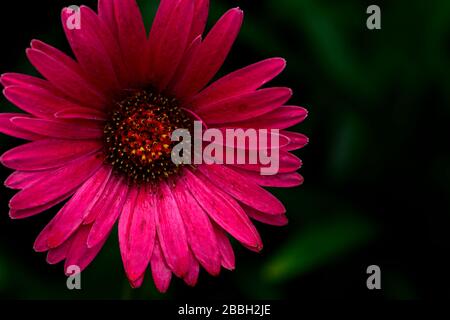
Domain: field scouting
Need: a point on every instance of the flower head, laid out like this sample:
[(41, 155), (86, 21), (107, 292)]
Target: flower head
[(99, 129)]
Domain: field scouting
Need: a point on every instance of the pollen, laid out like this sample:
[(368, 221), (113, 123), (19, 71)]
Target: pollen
[(137, 136)]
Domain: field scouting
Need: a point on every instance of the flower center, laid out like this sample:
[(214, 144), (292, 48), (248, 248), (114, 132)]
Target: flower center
[(138, 136)]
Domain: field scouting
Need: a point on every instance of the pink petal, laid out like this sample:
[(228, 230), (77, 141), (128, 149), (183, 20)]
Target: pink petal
[(137, 232), (64, 180), (65, 74), (277, 220), (239, 82), (106, 14), (79, 253), (225, 248), (132, 38), (32, 211), (58, 254), (264, 143), (81, 113), (200, 232), (210, 55), (200, 18), (47, 154), (87, 44), (242, 189), (109, 31), (22, 179), (281, 118), (287, 163), (192, 276), (7, 127), (225, 211), (280, 180), (160, 271), (124, 224), (137, 283), (297, 140), (63, 129), (171, 232), (245, 106), (23, 80), (70, 217), (167, 47), (185, 62), (58, 67), (107, 210), (38, 101)]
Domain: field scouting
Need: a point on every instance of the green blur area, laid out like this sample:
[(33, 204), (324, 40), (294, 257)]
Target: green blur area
[(377, 169)]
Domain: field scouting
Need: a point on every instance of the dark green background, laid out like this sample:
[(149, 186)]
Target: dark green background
[(377, 168)]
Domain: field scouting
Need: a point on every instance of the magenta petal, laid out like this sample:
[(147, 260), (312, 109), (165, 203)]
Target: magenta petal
[(281, 118), (225, 211), (106, 14), (125, 219), (79, 253), (200, 232), (232, 146), (160, 271), (159, 25), (22, 179), (274, 220), (58, 254), (192, 276), (107, 210), (32, 211), (63, 129), (171, 232), (38, 101), (64, 74), (239, 82), (210, 55), (280, 180), (87, 44), (242, 189), (137, 231), (63, 181), (7, 127), (24, 80), (70, 217), (288, 163), (109, 31), (200, 18), (297, 140), (81, 113), (137, 283), (168, 46), (245, 106), (188, 57), (132, 38), (225, 249), (47, 154)]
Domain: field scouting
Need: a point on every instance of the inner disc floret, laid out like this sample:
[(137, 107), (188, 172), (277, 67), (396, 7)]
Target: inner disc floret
[(138, 136)]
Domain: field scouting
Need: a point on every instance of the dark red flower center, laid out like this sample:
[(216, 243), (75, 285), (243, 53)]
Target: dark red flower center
[(138, 136)]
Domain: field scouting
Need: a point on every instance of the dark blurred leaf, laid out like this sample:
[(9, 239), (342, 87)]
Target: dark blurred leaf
[(317, 244)]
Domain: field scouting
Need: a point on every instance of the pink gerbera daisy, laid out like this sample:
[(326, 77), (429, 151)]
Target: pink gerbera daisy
[(98, 129)]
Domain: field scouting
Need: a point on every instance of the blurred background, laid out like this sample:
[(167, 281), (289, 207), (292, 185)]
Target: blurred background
[(377, 170)]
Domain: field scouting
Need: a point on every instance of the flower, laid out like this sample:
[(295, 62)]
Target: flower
[(98, 128)]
